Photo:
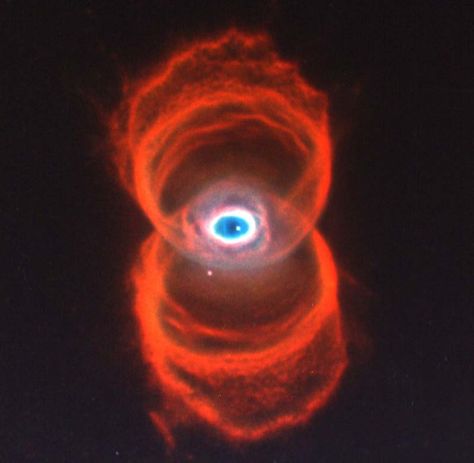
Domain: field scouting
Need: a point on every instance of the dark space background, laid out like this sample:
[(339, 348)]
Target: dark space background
[(399, 221)]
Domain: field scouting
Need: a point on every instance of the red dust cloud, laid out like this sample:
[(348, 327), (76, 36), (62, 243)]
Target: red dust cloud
[(243, 336)]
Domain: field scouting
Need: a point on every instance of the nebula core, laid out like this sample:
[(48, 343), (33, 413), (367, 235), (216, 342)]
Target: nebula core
[(227, 151)]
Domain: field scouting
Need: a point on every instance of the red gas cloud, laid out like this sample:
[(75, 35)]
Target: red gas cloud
[(243, 337)]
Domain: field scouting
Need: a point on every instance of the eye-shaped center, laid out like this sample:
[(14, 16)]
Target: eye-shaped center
[(236, 226), (231, 227)]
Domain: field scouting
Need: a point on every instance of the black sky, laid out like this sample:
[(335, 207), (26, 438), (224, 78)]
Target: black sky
[(399, 221)]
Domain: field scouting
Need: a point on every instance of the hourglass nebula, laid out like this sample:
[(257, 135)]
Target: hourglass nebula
[(226, 149)]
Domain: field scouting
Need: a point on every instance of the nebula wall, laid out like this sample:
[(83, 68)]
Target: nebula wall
[(226, 149)]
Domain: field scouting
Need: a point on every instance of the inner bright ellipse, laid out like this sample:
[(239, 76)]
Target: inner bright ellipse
[(233, 226)]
